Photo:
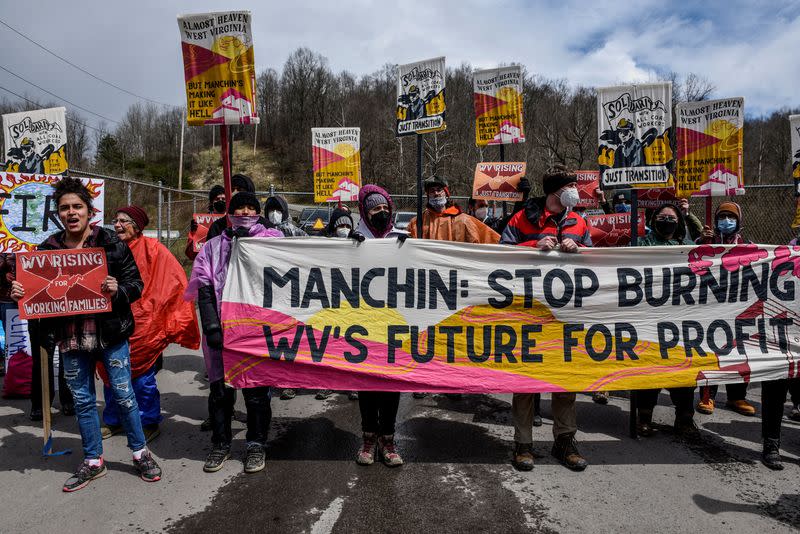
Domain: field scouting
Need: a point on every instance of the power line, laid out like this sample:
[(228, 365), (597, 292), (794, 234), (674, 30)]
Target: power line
[(38, 104), (68, 62), (58, 97)]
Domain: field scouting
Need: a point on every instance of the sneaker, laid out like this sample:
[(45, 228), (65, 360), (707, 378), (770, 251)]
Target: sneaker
[(366, 453), (706, 406), (646, 429), (565, 449), (600, 397), (352, 395), (255, 459), (217, 457), (523, 456), (742, 407), (419, 395), (771, 456), (205, 426), (323, 394), (151, 432), (85, 474), (794, 415), (287, 394), (37, 415), (147, 468), (686, 428), (388, 451), (106, 431), (537, 420), (68, 409)]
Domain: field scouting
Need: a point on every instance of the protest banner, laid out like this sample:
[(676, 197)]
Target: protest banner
[(710, 136), (204, 222), (612, 230), (796, 221), (28, 213), (633, 128), (794, 126), (219, 68), (336, 156), (655, 198), (36, 141), (588, 183), (440, 316), (497, 98), (62, 282), (420, 97), (498, 181)]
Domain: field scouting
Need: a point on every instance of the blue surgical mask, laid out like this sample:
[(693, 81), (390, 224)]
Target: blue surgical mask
[(726, 226), (622, 208)]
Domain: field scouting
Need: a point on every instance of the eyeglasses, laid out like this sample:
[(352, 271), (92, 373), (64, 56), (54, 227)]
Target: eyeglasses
[(666, 218), (122, 221)]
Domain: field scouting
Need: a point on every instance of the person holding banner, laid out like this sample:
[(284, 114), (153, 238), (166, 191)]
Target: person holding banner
[(206, 285), (239, 182), (549, 223), (277, 212), (84, 339), (216, 204), (161, 315), (668, 229)]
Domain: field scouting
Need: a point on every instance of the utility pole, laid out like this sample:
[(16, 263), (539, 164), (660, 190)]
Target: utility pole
[(180, 160)]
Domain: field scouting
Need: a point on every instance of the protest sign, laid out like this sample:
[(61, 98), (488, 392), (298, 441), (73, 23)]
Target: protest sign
[(204, 222), (498, 181), (28, 213), (219, 68), (710, 136), (337, 163), (633, 128), (588, 183), (420, 97), (36, 141), (497, 98), (796, 220), (441, 316), (794, 126), (612, 230), (62, 282), (655, 198)]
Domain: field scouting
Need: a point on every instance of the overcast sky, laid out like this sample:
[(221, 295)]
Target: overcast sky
[(744, 48)]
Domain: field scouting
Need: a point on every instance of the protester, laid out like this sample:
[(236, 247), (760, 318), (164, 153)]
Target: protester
[(277, 213), (549, 223), (669, 228), (727, 230), (378, 408), (206, 285), (479, 208), (239, 182), (216, 204), (103, 337), (161, 317)]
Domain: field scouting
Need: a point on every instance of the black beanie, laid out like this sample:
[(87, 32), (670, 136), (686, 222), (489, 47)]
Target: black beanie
[(557, 177), (243, 182), (244, 198), (216, 191)]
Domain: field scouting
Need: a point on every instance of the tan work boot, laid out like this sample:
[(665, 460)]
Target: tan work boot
[(565, 449), (742, 407), (523, 456)]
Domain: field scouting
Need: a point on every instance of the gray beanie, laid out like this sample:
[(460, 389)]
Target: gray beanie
[(342, 221), (375, 199)]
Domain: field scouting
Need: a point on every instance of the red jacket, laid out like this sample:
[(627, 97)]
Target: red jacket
[(535, 222)]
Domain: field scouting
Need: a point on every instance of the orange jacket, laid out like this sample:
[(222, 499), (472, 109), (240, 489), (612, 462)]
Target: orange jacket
[(452, 225)]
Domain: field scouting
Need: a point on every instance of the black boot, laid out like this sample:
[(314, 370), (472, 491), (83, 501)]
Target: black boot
[(771, 457), (565, 449)]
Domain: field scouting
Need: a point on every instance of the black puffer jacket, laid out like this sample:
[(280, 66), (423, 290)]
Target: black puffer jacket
[(117, 325)]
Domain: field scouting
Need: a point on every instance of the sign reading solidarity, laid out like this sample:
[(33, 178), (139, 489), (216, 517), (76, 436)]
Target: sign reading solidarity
[(498, 181), (420, 97), (62, 282), (36, 141), (439, 316), (204, 222)]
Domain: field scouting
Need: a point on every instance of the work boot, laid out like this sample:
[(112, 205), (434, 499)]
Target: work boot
[(706, 406), (323, 394), (388, 451), (794, 415), (366, 453), (644, 426), (600, 397), (352, 395), (255, 460), (106, 431), (771, 456), (742, 407), (216, 458), (523, 456), (685, 427), (565, 449), (419, 395), (287, 394), (537, 420)]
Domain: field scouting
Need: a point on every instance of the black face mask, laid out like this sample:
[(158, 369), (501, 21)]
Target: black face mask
[(380, 220), (219, 206), (666, 228)]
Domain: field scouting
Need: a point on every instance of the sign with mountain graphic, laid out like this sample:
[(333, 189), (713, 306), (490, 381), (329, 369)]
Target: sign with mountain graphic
[(498, 181)]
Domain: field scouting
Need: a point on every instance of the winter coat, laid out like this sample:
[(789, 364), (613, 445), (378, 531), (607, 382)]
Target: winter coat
[(653, 239), (734, 238), (452, 225), (286, 226), (535, 222)]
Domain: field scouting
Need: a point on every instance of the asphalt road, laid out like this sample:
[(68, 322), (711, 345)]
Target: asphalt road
[(457, 476)]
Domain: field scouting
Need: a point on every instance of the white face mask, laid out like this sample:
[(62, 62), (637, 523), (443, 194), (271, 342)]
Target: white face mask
[(438, 203), (275, 217), (481, 213), (569, 197), (342, 232)]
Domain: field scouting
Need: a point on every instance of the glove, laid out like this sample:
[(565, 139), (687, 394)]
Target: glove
[(524, 186), (358, 236), (402, 238), (214, 339)]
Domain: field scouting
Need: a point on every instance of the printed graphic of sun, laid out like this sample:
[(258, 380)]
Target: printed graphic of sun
[(344, 149), (727, 132), (228, 46)]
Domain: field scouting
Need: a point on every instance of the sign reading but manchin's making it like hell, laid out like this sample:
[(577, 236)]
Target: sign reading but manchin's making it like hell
[(441, 316)]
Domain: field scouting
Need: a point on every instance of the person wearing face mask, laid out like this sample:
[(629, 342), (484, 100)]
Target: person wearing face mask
[(216, 204), (549, 223), (277, 215), (443, 220), (668, 229), (376, 209), (239, 182), (205, 285), (726, 231)]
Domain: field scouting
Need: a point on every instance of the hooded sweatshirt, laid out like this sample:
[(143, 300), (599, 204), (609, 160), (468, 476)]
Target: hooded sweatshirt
[(734, 238), (244, 183), (286, 226), (364, 226)]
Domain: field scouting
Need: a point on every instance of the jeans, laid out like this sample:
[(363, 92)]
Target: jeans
[(147, 397), (220, 408), (79, 373), (378, 411)]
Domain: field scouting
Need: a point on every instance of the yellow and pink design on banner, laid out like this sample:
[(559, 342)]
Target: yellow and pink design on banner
[(219, 68), (336, 157), (497, 99), (448, 317)]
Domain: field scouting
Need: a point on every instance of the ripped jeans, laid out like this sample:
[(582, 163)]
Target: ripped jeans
[(79, 374)]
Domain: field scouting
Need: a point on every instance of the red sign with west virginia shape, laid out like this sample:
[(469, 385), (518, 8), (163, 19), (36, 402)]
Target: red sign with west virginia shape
[(62, 282)]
